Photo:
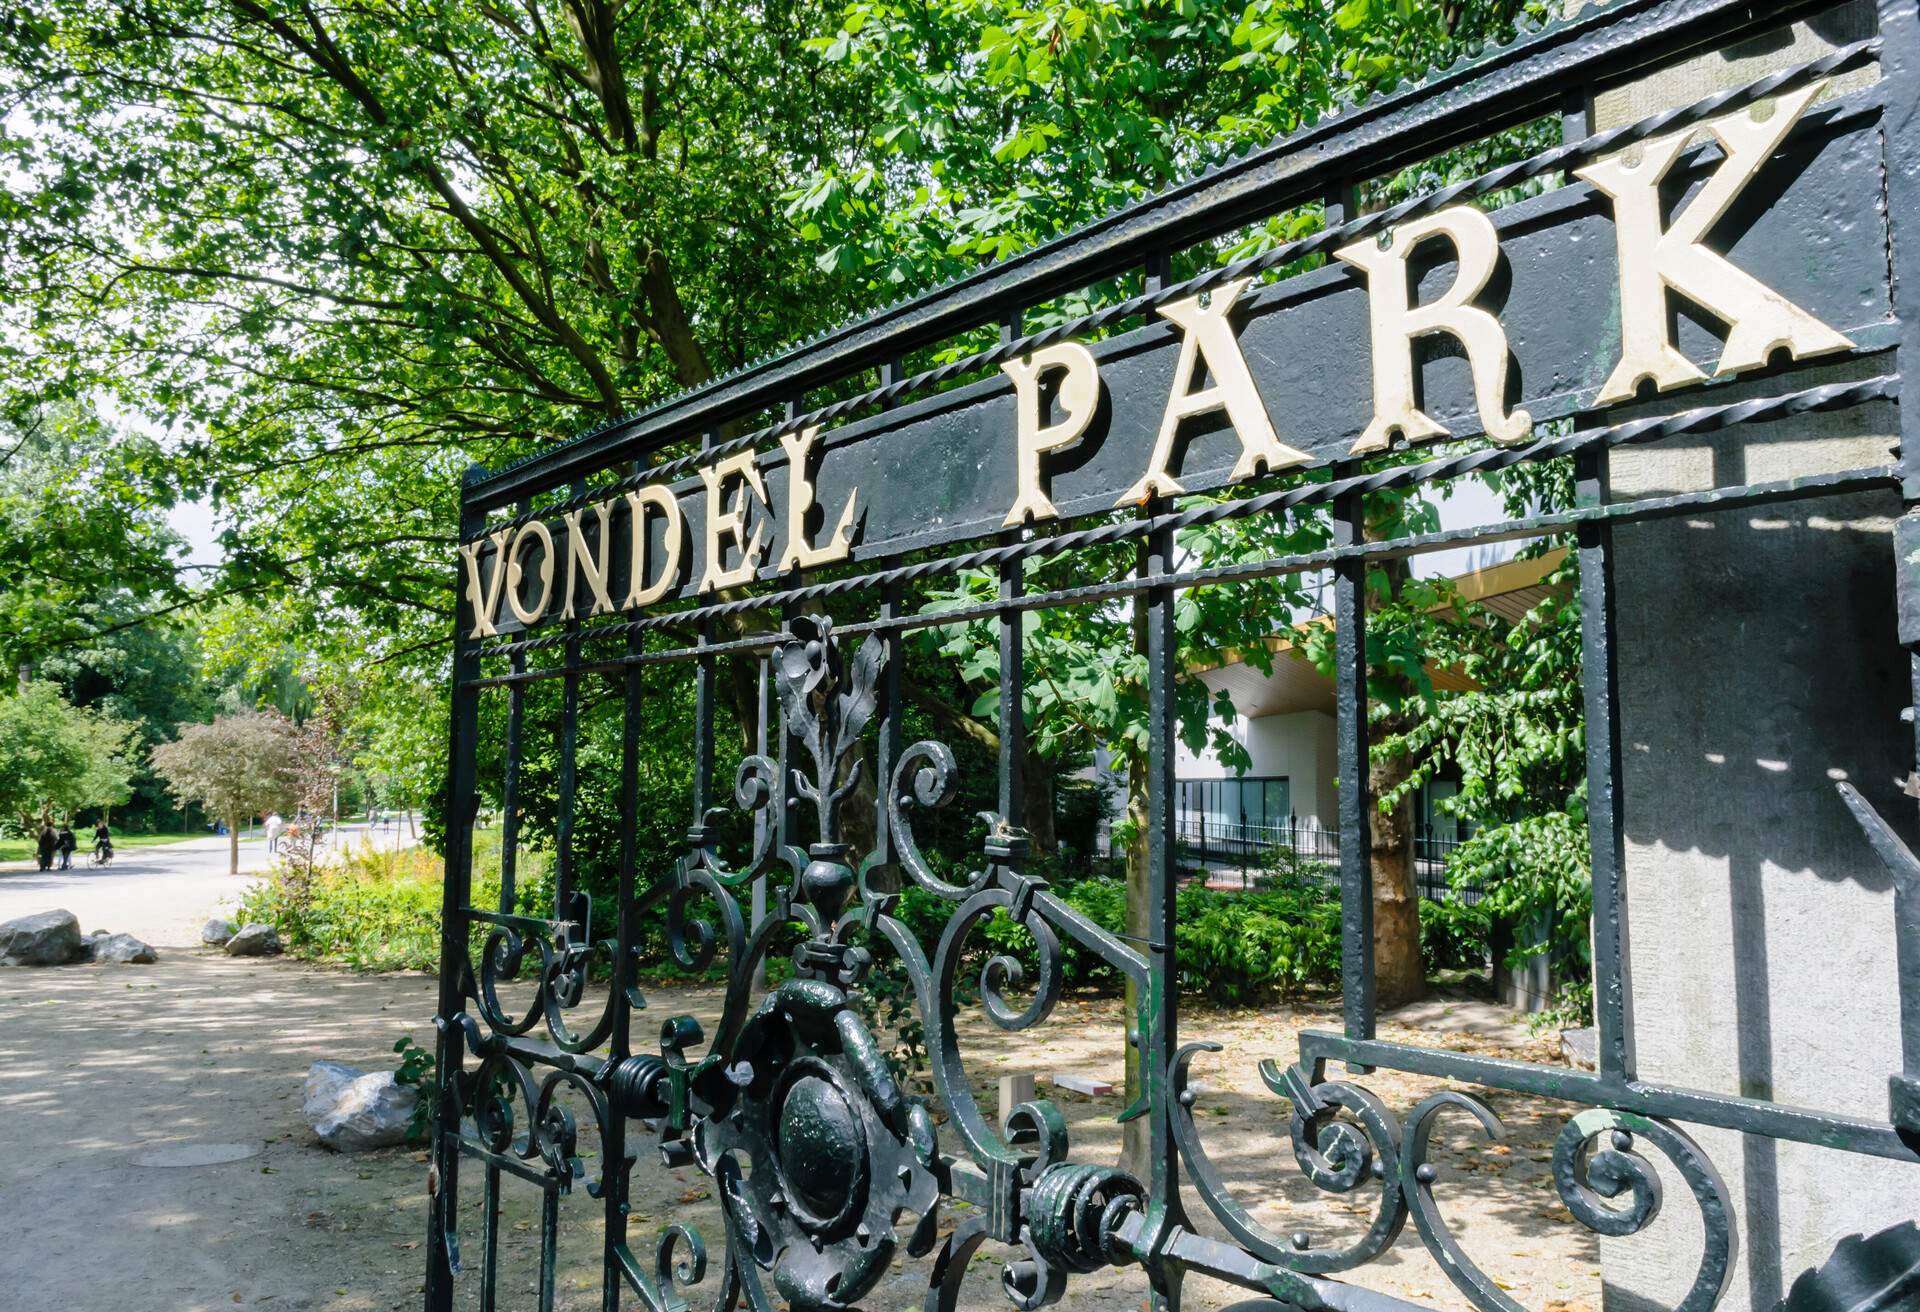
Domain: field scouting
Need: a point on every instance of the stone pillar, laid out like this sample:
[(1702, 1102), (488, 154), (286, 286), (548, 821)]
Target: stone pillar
[(1758, 665)]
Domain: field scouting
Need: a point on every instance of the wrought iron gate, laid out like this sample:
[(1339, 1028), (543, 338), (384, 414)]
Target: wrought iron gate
[(833, 479)]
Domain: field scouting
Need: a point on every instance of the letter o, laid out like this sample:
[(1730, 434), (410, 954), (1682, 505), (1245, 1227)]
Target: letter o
[(515, 575)]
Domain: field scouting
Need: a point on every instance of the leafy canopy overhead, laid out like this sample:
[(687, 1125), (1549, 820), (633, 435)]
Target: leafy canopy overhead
[(344, 250)]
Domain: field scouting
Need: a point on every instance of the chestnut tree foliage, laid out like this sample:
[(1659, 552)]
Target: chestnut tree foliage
[(340, 249)]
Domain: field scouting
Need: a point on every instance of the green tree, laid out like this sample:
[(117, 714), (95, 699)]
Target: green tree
[(402, 727), (236, 767), (378, 241), (1003, 125), (57, 758), (84, 542)]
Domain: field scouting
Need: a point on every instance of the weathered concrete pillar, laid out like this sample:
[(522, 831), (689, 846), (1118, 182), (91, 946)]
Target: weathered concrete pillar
[(1759, 665)]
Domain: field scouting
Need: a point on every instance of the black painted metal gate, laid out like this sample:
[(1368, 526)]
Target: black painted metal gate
[(792, 511)]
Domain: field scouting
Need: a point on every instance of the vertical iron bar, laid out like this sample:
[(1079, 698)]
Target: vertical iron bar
[(450, 1045), (620, 1045), (510, 783), (1600, 688), (1900, 74), (1612, 998), (563, 892), (510, 791), (790, 745), (887, 748), (1013, 673), (549, 1244), (758, 902), (703, 713), (1162, 1037), (1350, 747), (490, 1248), (887, 745), (1013, 696)]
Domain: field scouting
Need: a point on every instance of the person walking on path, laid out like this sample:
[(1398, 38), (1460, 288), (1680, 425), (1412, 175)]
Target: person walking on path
[(46, 846), (274, 825), (66, 843)]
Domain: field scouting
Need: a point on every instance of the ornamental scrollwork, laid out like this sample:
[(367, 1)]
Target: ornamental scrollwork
[(827, 1171)]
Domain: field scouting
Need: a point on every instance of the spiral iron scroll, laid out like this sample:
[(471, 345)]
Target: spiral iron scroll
[(819, 1158)]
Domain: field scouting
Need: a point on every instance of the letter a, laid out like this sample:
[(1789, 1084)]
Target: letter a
[(1078, 397), (1394, 324), (1209, 338), (1759, 320)]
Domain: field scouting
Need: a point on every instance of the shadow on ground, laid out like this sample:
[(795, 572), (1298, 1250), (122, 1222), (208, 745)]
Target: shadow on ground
[(103, 1069)]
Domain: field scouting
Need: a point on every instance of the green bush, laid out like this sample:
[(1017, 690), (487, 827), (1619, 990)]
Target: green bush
[(1530, 871), (1449, 941), (377, 910), (1232, 947)]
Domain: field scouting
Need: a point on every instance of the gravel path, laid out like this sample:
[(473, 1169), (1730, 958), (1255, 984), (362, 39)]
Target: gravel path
[(106, 1072), (161, 894)]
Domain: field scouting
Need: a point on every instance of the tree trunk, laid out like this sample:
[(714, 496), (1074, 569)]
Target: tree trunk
[(1134, 1141), (233, 845), (1399, 975), (1042, 829), (1398, 971)]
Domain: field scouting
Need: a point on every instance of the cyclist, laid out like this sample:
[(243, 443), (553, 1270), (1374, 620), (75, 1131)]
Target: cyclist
[(102, 842)]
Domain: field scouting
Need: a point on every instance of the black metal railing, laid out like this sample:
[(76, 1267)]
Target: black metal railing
[(1214, 848), (814, 1227)]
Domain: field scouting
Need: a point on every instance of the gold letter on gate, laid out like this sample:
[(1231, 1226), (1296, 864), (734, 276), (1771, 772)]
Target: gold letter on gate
[(581, 561), (485, 600), (728, 518), (1652, 258), (1208, 338), (798, 555), (1395, 323), (639, 591), (530, 615), (1078, 397)]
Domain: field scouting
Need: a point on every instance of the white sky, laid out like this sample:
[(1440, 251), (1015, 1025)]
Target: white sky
[(193, 520)]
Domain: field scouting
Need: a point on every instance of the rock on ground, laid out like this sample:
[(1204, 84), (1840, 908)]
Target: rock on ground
[(216, 932), (46, 938), (123, 948), (353, 1110), (254, 941)]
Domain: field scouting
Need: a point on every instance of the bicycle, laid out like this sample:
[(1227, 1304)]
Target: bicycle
[(100, 857)]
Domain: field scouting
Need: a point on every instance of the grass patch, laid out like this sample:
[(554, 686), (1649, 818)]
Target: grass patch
[(22, 849)]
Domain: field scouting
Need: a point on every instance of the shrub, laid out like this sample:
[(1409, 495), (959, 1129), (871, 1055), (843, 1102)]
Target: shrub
[(1233, 946), (377, 910), (1449, 941), (1530, 871)]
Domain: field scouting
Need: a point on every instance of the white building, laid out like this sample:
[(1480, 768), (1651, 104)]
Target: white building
[(1285, 722)]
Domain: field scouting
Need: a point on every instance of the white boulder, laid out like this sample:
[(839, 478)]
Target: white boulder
[(353, 1110)]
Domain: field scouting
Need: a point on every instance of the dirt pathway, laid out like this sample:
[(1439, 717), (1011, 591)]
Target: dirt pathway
[(108, 1072), (160, 894)]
